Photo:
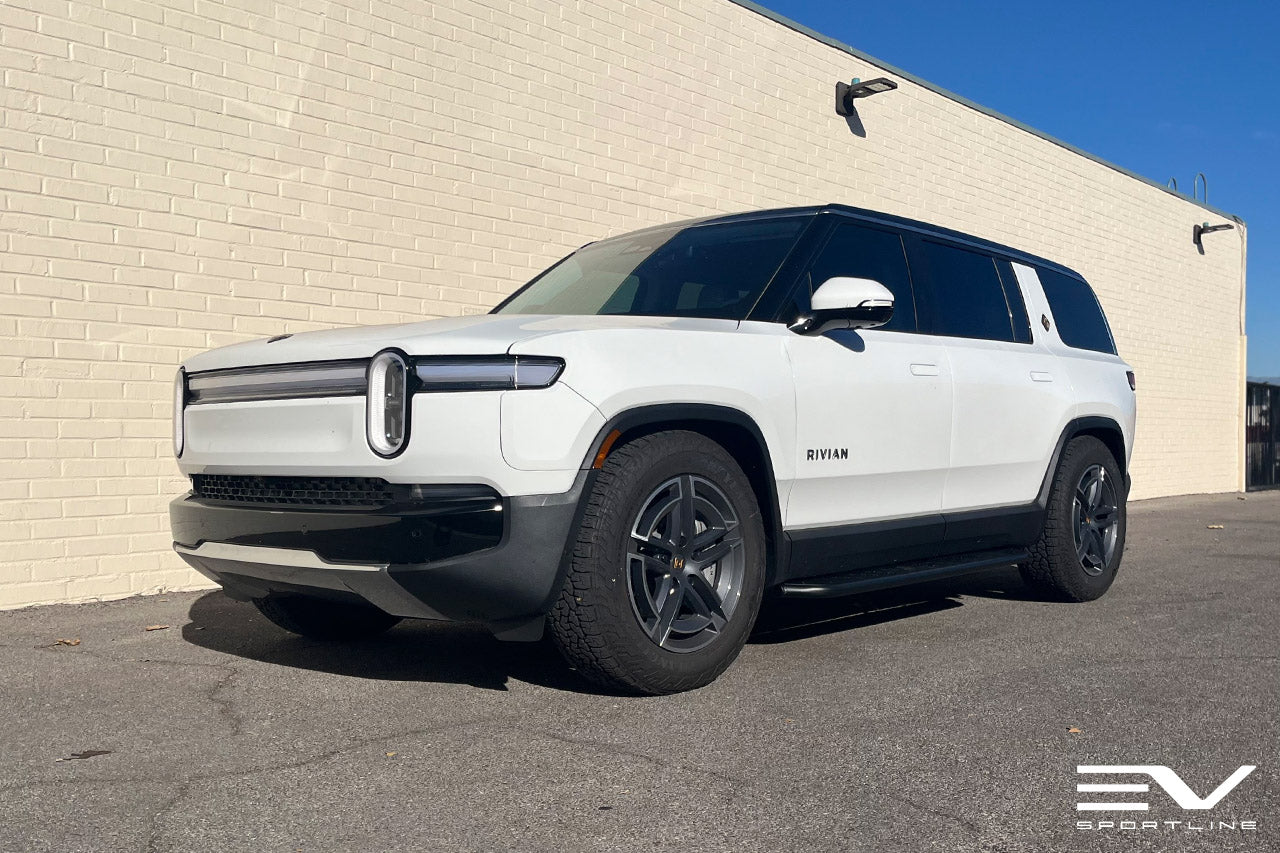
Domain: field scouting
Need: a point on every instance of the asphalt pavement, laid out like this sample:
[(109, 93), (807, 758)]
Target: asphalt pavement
[(951, 717)]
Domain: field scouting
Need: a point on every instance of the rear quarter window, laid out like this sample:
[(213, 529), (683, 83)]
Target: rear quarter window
[(1076, 312)]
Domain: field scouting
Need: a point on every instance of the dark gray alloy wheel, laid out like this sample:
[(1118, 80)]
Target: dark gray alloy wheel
[(686, 564), (667, 569), (322, 619), (1082, 544), (1095, 513)]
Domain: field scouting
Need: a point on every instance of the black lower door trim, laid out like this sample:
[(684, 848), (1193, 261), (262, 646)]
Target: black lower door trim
[(902, 574)]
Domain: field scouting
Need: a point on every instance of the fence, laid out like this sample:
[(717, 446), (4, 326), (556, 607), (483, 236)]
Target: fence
[(1262, 435)]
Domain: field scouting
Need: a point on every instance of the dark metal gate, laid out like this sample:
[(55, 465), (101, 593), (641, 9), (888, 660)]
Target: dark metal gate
[(1262, 435)]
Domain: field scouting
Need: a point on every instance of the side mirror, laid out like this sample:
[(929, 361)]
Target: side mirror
[(845, 303)]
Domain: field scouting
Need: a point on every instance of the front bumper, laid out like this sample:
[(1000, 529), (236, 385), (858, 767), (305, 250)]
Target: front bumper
[(500, 563)]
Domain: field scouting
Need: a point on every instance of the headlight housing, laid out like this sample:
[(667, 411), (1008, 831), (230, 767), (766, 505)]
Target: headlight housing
[(387, 406), (179, 411), (394, 378)]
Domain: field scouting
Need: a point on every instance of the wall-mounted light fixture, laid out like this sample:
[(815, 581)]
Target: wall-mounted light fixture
[(1199, 231), (847, 93)]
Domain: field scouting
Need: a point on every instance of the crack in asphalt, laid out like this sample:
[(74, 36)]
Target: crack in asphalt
[(252, 771)]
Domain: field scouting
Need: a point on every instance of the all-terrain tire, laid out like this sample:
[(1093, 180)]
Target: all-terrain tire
[(1056, 570), (322, 619), (596, 622)]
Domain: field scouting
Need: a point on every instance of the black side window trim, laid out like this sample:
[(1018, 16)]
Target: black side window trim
[(1017, 303)]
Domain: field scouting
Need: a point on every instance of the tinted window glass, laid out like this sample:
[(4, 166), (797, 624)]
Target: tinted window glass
[(1017, 306), (857, 251), (966, 299), (713, 271), (1076, 312)]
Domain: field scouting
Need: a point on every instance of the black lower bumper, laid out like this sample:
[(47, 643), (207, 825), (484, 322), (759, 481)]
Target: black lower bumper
[(494, 561)]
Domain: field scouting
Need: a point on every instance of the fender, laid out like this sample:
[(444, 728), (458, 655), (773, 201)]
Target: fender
[(726, 425), (1094, 425)]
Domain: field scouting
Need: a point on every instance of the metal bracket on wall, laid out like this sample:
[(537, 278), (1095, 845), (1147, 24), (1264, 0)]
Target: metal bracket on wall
[(1198, 231)]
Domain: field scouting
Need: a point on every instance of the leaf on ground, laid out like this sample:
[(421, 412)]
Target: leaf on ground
[(1073, 731), (157, 627), (1215, 527), (88, 753), (391, 755), (63, 642)]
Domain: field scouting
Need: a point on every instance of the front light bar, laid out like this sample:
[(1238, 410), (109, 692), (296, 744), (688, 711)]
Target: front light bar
[(278, 382), (486, 373), (387, 382)]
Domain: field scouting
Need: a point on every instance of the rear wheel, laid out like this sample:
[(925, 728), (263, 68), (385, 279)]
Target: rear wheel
[(322, 619), (668, 568), (1080, 548)]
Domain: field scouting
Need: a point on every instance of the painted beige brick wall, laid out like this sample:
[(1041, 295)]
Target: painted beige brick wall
[(182, 174)]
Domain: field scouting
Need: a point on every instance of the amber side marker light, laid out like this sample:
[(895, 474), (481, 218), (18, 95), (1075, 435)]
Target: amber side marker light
[(605, 448)]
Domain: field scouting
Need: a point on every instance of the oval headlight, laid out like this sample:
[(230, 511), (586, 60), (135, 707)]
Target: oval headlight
[(179, 411), (387, 407)]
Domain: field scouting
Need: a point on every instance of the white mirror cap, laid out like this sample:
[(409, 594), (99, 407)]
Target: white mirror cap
[(844, 292)]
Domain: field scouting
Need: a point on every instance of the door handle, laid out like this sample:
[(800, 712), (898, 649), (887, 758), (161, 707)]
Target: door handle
[(925, 370), (1041, 376)]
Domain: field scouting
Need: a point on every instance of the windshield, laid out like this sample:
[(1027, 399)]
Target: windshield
[(714, 271)]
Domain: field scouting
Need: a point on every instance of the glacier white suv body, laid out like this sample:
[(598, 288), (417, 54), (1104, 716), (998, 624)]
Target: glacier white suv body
[(641, 442)]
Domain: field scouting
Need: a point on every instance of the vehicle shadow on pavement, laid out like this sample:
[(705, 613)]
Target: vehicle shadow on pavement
[(412, 651), (452, 653), (785, 619)]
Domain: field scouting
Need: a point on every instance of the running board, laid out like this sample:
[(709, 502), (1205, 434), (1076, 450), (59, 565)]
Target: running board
[(901, 574)]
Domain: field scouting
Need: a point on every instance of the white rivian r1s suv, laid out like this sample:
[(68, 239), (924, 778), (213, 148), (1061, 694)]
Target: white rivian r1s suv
[(637, 445)]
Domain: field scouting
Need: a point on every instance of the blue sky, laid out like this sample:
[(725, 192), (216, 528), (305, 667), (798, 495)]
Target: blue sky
[(1164, 88)]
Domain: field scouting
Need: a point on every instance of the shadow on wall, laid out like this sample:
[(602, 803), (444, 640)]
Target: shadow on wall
[(452, 653)]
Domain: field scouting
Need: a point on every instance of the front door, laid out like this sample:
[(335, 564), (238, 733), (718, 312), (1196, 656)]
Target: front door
[(873, 407)]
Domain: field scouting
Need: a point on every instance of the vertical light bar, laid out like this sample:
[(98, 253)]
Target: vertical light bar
[(387, 405), (179, 411)]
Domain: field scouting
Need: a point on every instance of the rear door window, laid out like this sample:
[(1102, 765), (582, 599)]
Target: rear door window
[(962, 293), (1076, 312)]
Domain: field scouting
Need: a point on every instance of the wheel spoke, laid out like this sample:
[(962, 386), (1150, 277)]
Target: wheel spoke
[(1082, 545), (1104, 516), (650, 562), (704, 600), (1096, 550), (1094, 490), (687, 527), (668, 599), (707, 538)]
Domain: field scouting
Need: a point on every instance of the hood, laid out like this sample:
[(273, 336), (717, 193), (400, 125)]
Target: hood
[(486, 334)]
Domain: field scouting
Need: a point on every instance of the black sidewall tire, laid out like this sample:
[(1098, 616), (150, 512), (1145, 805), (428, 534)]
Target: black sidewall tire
[(593, 622), (1054, 570)]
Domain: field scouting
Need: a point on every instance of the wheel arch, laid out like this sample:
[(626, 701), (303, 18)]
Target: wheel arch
[(1104, 429), (734, 430)]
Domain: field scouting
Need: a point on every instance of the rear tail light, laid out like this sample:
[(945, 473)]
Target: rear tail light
[(387, 407), (1133, 380)]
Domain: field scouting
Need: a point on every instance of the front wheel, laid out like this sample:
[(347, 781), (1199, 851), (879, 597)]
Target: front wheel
[(667, 570), (1080, 548)]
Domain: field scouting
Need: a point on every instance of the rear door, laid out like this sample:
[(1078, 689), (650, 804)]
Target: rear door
[(873, 407), (1012, 397)]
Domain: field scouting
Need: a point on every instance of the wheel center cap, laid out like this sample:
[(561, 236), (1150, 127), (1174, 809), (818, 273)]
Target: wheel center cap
[(678, 563)]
